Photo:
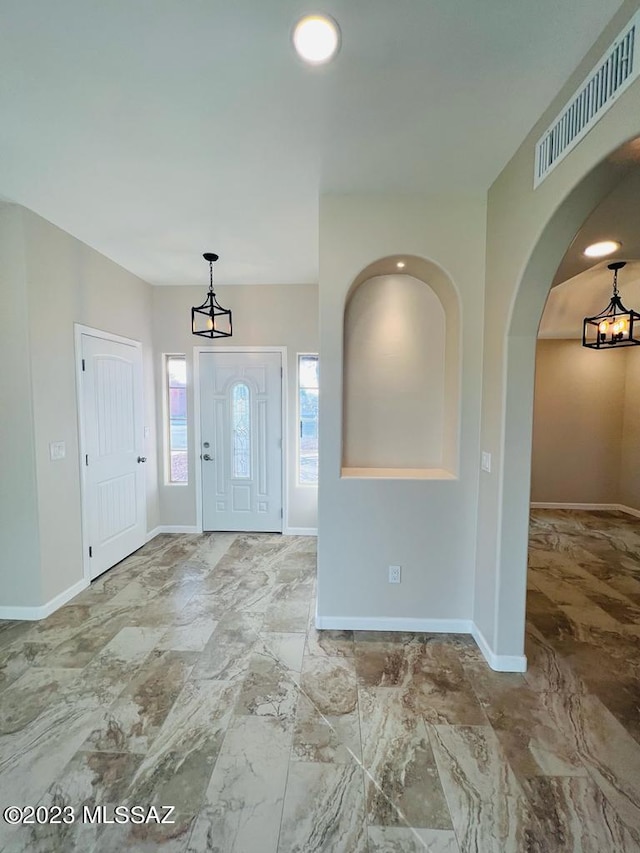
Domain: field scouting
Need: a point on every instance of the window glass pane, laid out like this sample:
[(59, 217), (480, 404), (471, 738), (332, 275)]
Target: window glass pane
[(241, 431), (177, 369), (177, 417), (308, 412), (308, 371)]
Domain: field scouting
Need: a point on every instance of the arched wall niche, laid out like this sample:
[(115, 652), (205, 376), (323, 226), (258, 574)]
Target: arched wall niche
[(401, 372)]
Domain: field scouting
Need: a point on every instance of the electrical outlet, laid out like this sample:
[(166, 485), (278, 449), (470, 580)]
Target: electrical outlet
[(57, 450), (395, 573)]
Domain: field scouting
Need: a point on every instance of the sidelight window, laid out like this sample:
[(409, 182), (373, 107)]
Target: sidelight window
[(176, 396), (308, 416)]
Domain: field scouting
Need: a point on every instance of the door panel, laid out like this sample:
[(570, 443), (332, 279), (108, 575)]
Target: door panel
[(113, 440), (241, 431)]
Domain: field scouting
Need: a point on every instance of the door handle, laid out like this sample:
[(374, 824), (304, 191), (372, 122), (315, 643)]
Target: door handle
[(207, 458), (142, 458)]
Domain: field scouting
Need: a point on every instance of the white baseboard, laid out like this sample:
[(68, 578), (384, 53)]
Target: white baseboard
[(390, 623), (176, 528), (188, 528), (35, 613), (630, 510), (500, 663), (300, 531), (153, 533), (586, 507)]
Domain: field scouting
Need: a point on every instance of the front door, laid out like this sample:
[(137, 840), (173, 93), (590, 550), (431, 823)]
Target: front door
[(241, 440), (113, 436)]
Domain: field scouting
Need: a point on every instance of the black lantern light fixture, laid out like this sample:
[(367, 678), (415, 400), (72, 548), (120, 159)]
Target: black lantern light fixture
[(616, 326), (211, 320)]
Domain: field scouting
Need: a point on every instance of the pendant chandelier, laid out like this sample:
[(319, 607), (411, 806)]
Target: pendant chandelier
[(616, 326), (211, 320)]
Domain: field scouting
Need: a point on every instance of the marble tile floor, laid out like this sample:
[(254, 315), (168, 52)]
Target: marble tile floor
[(191, 675)]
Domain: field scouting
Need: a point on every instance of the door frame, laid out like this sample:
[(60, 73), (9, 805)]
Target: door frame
[(198, 435), (78, 331)]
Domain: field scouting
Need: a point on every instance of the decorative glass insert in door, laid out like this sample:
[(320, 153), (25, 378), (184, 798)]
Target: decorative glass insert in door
[(241, 431)]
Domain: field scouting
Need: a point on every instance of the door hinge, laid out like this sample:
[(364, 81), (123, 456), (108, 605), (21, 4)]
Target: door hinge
[(86, 459), (84, 366), (90, 551), (281, 372), (281, 512)]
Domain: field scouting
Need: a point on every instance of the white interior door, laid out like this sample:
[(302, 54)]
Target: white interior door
[(241, 436), (113, 437)]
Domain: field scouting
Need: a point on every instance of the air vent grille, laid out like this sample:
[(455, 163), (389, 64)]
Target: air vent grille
[(617, 69)]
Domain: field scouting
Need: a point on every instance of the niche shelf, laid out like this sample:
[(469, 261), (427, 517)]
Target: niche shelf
[(397, 474)]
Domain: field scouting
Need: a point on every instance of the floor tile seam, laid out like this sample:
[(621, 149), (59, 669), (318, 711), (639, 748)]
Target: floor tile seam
[(634, 831), (368, 775), (414, 830), (286, 784), (359, 762), (504, 761), (447, 798), (591, 765)]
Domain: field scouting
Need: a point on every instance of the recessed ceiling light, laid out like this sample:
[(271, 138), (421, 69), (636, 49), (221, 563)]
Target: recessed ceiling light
[(316, 38), (600, 250), (401, 265)]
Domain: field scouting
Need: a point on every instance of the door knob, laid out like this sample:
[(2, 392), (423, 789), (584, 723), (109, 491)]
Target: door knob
[(207, 458), (142, 458)]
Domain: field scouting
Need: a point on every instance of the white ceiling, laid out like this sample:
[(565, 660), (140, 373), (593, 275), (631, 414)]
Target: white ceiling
[(582, 287), (155, 130)]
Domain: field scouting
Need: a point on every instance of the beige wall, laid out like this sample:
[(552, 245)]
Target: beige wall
[(528, 232), (20, 581), (426, 526), (579, 406), (274, 315), (630, 455), (66, 282), (394, 345)]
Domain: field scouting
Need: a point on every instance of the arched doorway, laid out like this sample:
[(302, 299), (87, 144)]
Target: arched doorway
[(520, 347)]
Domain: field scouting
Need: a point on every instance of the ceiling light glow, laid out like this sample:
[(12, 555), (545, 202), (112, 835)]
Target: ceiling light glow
[(602, 249), (316, 39), (401, 265)]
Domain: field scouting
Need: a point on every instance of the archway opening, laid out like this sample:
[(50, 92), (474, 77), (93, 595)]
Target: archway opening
[(539, 274)]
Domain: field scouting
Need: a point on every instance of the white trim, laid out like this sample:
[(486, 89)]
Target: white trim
[(35, 613), (393, 623), (586, 507), (300, 531), (178, 528), (153, 533), (78, 331), (284, 393), (629, 510), (172, 528), (499, 663)]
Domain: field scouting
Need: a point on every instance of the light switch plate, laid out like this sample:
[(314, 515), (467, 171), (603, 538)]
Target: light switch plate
[(486, 461), (57, 450)]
